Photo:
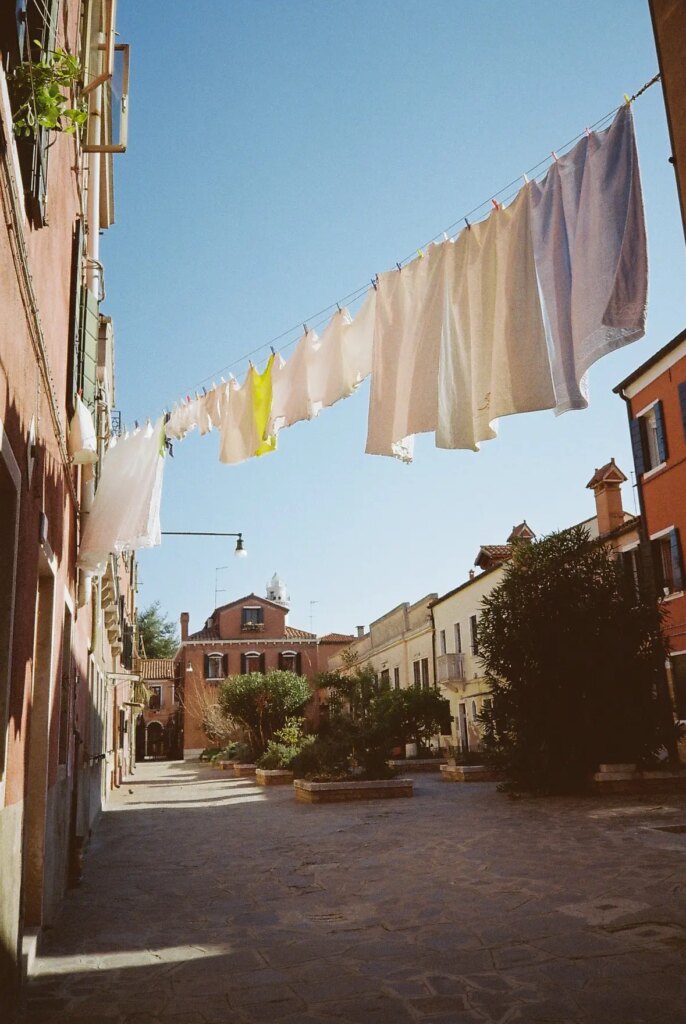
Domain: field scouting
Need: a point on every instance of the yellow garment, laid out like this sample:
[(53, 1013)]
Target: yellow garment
[(261, 387)]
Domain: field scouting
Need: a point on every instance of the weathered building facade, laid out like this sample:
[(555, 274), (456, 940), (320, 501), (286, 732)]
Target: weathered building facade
[(66, 641)]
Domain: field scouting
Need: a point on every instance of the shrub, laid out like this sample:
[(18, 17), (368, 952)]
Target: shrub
[(286, 745), (261, 704)]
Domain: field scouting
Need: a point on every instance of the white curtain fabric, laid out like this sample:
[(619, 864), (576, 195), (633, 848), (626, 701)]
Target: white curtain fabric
[(83, 443)]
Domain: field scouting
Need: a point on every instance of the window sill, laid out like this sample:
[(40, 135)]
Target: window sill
[(653, 472), (672, 596)]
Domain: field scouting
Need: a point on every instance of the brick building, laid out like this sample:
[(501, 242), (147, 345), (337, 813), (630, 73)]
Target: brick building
[(655, 395), (158, 724), (249, 634)]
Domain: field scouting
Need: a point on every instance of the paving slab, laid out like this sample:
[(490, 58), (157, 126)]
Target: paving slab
[(209, 900)]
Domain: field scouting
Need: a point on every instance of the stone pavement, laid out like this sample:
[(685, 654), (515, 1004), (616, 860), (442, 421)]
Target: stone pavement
[(208, 900)]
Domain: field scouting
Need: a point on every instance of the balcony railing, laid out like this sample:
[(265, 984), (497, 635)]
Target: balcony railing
[(451, 668), (252, 627)]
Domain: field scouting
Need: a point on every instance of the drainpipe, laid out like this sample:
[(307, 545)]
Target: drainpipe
[(664, 697), (93, 275)]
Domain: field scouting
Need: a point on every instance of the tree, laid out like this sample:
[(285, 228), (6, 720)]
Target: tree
[(158, 635), (572, 656), (412, 715), (260, 703)]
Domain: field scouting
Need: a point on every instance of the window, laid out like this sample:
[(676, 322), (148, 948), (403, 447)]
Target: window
[(385, 679), (216, 666), (677, 663), (648, 439), (252, 661), (474, 711), (396, 678), (441, 638), (417, 669), (458, 638), (252, 618), (289, 661), (682, 404), (10, 489), (155, 701), (474, 634), (667, 562), (425, 673)]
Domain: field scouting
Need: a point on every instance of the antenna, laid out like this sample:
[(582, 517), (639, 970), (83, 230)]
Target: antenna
[(312, 603)]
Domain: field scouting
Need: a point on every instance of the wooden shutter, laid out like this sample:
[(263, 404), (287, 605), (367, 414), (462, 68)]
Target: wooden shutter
[(262, 662), (244, 664), (90, 330), (637, 445), (206, 661), (682, 403), (281, 659), (677, 564), (662, 451), (298, 663), (225, 665)]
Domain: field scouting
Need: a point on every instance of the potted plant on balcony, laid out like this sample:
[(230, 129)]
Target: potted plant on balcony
[(37, 97)]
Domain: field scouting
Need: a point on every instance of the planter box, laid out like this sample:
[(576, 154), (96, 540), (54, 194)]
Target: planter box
[(468, 773), (225, 765), (339, 792), (242, 771), (273, 777), (610, 779), (418, 764)]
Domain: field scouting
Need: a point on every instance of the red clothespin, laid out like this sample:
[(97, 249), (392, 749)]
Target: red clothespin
[(496, 204)]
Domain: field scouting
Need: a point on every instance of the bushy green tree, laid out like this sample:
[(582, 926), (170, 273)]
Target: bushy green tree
[(572, 656), (260, 703), (412, 715), (157, 633)]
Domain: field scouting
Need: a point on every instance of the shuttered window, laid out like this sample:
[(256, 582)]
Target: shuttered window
[(668, 563), (649, 439), (425, 673), (396, 678), (216, 667), (682, 403), (417, 669)]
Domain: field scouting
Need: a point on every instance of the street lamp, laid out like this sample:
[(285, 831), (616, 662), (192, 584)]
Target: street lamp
[(239, 551)]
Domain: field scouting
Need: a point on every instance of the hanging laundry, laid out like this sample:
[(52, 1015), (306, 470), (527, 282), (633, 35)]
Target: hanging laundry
[(591, 254), (343, 358), (291, 381), (182, 419), (493, 350), (83, 444), (208, 412), (125, 514), (246, 415), (410, 312), (261, 384)]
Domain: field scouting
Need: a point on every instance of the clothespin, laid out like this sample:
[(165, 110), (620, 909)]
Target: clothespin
[(526, 179), (420, 254), (136, 424), (188, 398), (305, 328), (250, 364), (588, 132), (445, 236), (627, 99), (496, 204), (399, 267), (338, 307), (469, 226), (272, 350), (553, 155), (374, 282), (204, 390)]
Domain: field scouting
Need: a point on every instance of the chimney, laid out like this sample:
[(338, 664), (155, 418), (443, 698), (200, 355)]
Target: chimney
[(184, 626), (472, 574), (360, 631), (606, 484)]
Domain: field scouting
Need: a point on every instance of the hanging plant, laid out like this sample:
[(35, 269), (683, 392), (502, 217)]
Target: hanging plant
[(37, 98)]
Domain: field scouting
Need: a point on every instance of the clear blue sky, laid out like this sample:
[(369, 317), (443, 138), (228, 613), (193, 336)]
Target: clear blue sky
[(281, 153)]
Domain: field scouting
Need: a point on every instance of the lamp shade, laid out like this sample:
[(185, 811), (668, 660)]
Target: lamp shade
[(240, 551)]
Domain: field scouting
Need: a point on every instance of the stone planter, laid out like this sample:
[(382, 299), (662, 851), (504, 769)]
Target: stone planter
[(417, 764), (624, 778), (242, 771), (273, 777), (225, 765), (340, 792), (468, 773)]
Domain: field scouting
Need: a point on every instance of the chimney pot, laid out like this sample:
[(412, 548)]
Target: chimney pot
[(184, 617), (472, 574), (360, 631)]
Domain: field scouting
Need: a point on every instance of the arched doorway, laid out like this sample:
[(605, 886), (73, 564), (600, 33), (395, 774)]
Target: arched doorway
[(154, 740)]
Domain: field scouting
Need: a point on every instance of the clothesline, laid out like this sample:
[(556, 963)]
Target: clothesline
[(315, 320)]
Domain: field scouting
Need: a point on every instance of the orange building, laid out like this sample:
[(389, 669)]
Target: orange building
[(249, 634), (655, 394), (158, 726)]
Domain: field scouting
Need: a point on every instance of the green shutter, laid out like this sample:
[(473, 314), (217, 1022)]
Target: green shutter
[(90, 328), (682, 403), (637, 446), (677, 564), (660, 432)]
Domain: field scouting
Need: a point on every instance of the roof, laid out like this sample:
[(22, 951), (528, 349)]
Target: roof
[(249, 597), (291, 633), (336, 638), (493, 553), (157, 668), (467, 583), (610, 473), (660, 354), (521, 532)]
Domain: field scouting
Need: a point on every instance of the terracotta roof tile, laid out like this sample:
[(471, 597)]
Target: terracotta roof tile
[(205, 634), (336, 638), (291, 633), (496, 552), (157, 668)]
